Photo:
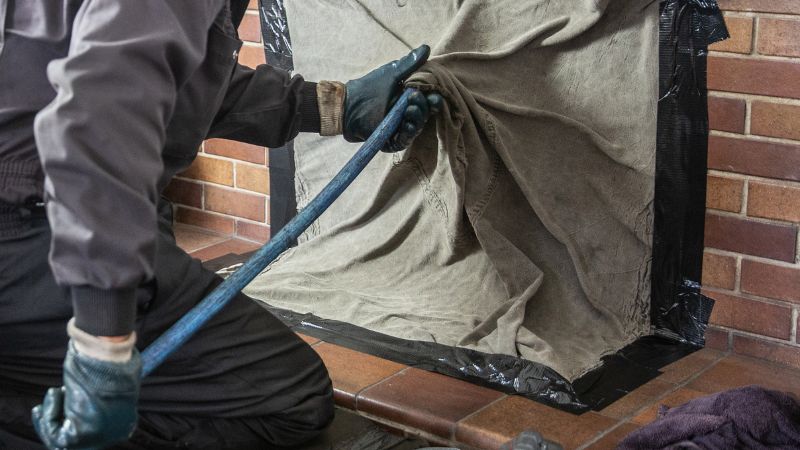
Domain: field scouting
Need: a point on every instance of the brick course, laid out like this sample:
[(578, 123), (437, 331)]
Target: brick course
[(227, 187), (724, 193), (751, 264)]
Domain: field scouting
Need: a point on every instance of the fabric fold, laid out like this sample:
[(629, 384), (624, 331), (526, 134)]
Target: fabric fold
[(520, 221)]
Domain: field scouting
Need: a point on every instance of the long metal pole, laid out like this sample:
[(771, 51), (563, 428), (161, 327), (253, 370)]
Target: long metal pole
[(182, 330)]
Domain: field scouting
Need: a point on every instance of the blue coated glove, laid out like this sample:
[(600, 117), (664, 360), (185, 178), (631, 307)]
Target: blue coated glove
[(369, 98), (95, 408)]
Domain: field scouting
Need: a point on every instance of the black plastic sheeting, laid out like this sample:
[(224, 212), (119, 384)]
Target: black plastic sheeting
[(679, 312), (278, 52), (678, 309)]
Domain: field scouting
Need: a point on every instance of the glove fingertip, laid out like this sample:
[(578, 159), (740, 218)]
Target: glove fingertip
[(53, 402), (435, 102), (413, 61)]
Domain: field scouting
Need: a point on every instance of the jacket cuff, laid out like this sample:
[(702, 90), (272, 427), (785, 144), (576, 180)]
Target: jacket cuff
[(309, 108), (104, 312), (330, 98)]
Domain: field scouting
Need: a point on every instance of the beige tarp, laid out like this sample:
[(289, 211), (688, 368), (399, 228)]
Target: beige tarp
[(520, 222)]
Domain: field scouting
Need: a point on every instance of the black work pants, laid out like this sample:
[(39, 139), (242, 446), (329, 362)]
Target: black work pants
[(243, 381)]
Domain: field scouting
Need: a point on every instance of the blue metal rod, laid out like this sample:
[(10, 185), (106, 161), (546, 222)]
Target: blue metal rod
[(189, 324)]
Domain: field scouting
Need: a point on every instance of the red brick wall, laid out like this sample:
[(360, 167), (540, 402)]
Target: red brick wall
[(751, 265), (227, 188)]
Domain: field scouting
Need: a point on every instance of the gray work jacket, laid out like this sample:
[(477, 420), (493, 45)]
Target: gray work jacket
[(102, 102)]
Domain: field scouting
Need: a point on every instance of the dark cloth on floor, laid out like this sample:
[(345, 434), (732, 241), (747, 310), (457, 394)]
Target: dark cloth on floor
[(244, 381), (749, 418)]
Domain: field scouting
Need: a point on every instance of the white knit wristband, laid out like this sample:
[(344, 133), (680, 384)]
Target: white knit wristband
[(330, 99), (98, 348)]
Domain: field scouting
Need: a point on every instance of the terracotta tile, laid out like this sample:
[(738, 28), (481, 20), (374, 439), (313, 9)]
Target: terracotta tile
[(768, 280), (750, 237), (253, 5), (774, 6), (204, 219), (717, 339), (724, 193), (191, 238), (778, 37), (637, 399), (775, 119), (788, 355), (425, 400), (236, 150), (736, 371), (252, 178), (309, 339), (352, 371), (236, 203), (610, 440), (719, 271), (213, 170), (726, 114), (503, 420), (748, 156), (741, 31), (754, 76), (773, 202), (235, 246), (254, 232), (251, 55), (672, 400), (686, 367), (185, 192), (250, 28), (751, 315)]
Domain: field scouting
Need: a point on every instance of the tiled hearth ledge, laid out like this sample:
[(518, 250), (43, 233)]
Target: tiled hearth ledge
[(447, 411)]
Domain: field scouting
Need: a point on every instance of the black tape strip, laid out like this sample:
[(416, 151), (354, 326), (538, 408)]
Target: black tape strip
[(278, 52), (686, 28)]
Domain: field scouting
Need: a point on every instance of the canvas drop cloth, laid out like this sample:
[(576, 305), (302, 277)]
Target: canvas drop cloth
[(519, 222)]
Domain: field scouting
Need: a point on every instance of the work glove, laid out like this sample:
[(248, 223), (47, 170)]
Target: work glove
[(96, 407), (368, 99)]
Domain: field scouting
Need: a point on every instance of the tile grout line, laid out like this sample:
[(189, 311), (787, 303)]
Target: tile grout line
[(223, 239), (357, 394), (474, 413), (601, 435), (677, 386)]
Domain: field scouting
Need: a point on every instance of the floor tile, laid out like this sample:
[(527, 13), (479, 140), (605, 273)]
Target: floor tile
[(425, 400), (610, 441), (309, 339), (736, 371), (637, 399), (505, 419), (686, 367), (191, 238), (352, 371), (235, 246), (672, 400)]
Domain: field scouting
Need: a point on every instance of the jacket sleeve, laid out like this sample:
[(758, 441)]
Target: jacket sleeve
[(100, 144), (266, 106)]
